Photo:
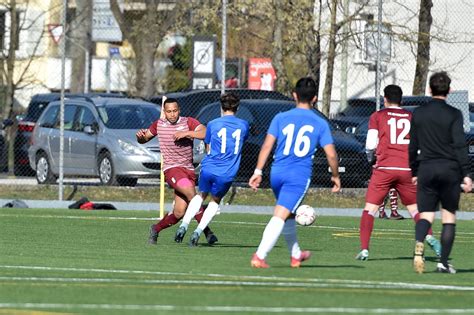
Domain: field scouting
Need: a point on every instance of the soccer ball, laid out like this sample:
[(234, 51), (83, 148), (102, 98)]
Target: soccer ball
[(305, 215)]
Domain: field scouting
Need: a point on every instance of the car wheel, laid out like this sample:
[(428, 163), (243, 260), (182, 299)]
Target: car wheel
[(127, 181), (44, 175), (106, 170)]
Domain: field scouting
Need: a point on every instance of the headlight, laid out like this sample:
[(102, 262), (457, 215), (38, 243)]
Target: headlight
[(130, 148), (200, 147)]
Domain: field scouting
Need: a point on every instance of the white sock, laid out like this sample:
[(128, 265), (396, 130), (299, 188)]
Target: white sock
[(193, 208), (209, 213), (270, 236), (289, 232)]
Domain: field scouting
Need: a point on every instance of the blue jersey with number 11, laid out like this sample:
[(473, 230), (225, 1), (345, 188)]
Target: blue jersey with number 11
[(298, 132), (225, 135)]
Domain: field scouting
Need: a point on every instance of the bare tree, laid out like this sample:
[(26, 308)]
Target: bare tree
[(278, 45), (423, 50), (144, 26)]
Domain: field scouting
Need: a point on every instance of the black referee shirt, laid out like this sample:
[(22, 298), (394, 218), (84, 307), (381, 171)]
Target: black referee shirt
[(437, 133)]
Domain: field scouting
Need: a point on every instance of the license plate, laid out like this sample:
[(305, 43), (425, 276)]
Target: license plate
[(341, 169)]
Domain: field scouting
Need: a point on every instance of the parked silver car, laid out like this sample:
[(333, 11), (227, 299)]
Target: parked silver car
[(99, 141)]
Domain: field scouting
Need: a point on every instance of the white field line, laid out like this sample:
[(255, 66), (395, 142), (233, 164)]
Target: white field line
[(361, 285), (215, 221), (235, 309), (264, 281)]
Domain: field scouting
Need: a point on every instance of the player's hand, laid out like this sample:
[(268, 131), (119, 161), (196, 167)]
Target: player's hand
[(180, 135), (254, 181), (141, 135), (337, 184), (414, 180), (466, 184)]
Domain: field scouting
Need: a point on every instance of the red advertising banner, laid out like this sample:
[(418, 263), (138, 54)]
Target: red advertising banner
[(261, 74)]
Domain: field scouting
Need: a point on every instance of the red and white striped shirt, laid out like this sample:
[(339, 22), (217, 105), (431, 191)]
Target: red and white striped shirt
[(175, 153)]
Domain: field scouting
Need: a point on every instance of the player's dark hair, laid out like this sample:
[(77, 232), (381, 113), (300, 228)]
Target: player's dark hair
[(170, 100), (440, 83), (230, 102), (393, 93), (306, 89)]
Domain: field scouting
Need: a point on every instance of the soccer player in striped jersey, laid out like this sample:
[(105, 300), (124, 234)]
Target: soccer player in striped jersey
[(388, 136), (224, 139), (176, 134), (297, 134)]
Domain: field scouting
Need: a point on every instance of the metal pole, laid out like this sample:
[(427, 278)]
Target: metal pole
[(378, 62), (224, 44), (107, 72), (61, 110), (87, 71)]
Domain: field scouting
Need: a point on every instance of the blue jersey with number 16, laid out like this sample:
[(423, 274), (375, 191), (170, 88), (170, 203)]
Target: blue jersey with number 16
[(298, 132), (225, 135)]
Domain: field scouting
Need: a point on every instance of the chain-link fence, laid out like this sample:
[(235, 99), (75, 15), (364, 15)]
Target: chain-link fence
[(122, 56)]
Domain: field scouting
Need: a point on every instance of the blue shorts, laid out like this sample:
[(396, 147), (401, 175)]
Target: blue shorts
[(218, 186), (289, 188)]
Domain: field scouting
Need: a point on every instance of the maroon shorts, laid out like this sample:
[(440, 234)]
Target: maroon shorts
[(382, 180), (180, 177)]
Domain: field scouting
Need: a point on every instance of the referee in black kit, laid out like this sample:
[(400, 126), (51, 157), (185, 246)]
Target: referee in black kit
[(439, 163)]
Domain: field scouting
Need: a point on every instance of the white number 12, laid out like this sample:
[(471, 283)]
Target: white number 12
[(395, 125)]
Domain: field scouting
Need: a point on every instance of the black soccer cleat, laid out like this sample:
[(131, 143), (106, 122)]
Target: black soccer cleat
[(445, 269), (153, 238), (396, 216), (178, 237), (193, 242), (211, 238)]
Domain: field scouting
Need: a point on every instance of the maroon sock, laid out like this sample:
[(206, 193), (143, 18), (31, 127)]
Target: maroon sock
[(199, 215), (366, 227), (168, 220), (416, 218)]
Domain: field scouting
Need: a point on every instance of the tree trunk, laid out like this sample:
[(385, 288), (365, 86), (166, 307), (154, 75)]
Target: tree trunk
[(423, 51), (80, 42), (144, 32), (314, 45), (13, 44), (278, 46), (330, 60)]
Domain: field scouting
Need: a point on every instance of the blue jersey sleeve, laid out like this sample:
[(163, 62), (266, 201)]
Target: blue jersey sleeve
[(325, 136), (273, 129)]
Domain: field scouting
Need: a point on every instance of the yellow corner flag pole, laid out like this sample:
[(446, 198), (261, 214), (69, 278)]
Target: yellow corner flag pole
[(162, 174), (162, 191)]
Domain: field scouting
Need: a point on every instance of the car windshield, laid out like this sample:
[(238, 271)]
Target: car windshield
[(128, 116), (359, 108), (272, 111)]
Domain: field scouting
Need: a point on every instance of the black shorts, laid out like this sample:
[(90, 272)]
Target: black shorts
[(438, 182)]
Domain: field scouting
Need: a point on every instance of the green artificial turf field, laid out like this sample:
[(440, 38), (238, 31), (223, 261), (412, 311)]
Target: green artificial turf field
[(73, 261)]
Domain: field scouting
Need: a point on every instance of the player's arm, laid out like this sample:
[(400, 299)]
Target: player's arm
[(267, 147), (333, 161), (413, 150), (144, 135), (371, 144)]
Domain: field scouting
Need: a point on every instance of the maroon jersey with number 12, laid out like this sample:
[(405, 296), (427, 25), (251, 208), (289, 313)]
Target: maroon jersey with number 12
[(393, 125)]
